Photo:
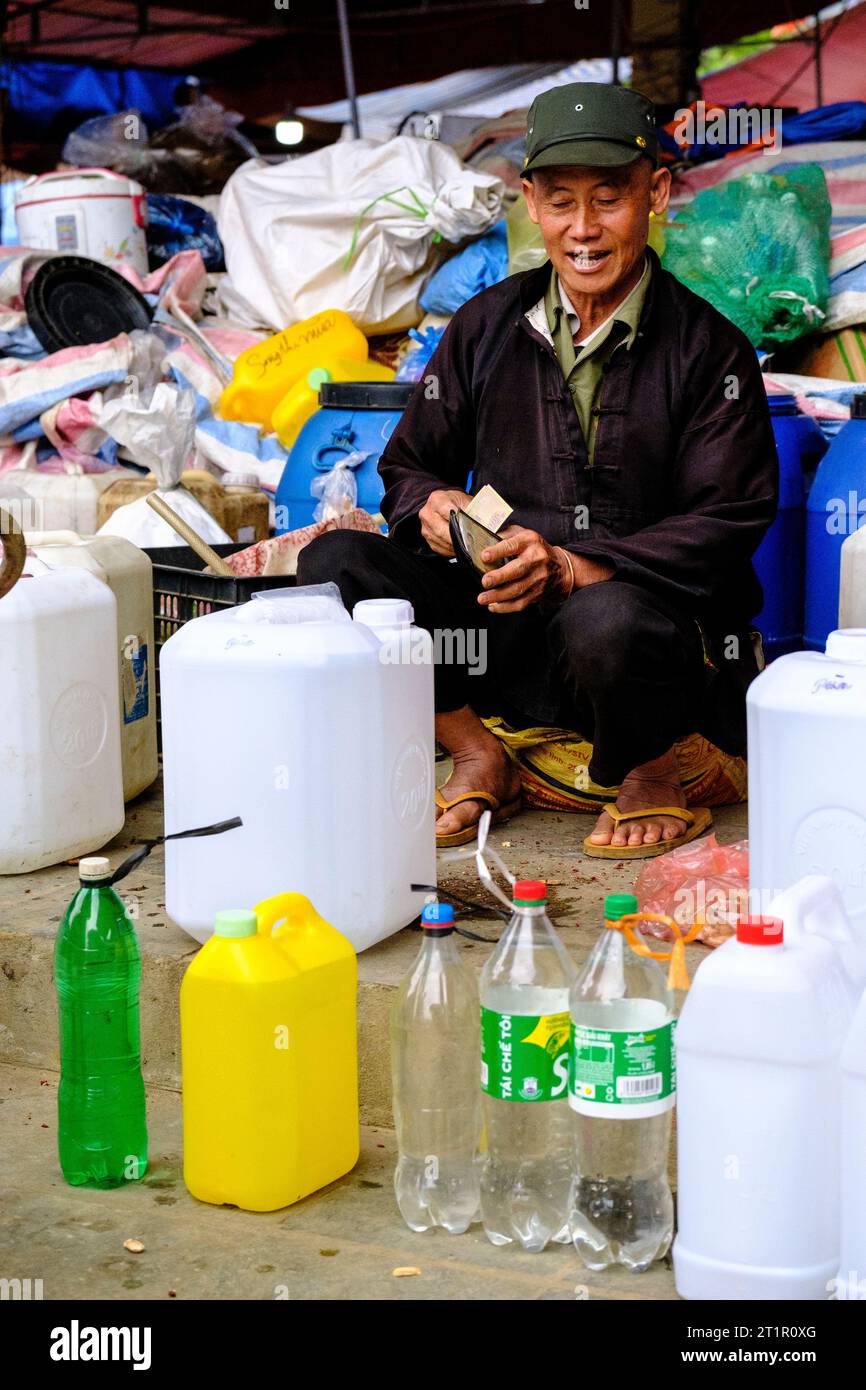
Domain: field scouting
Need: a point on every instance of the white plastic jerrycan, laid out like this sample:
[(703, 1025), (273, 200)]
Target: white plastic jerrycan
[(807, 771), (287, 713), (129, 575), (61, 787), (65, 501), (815, 918), (758, 1119), (852, 580), (851, 1282)]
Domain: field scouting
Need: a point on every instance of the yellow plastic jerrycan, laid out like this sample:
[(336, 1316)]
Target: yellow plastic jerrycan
[(302, 401), (269, 1057), (266, 371)]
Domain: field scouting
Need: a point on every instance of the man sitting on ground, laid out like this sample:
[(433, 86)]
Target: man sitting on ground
[(625, 422)]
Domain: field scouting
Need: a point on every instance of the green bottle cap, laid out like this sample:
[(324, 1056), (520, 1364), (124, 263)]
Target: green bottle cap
[(235, 921), (618, 905), (317, 377)]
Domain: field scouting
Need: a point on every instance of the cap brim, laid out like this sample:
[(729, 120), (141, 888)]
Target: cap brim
[(589, 154)]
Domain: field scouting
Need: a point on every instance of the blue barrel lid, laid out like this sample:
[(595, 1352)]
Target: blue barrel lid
[(365, 395), (782, 403)]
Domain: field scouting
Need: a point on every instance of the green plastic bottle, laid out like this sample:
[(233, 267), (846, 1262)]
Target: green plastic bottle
[(102, 1133)]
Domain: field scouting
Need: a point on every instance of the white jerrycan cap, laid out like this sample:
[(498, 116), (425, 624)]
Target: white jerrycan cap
[(384, 612), (847, 644)]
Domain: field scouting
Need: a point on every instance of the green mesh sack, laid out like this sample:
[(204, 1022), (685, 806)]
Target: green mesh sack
[(758, 248)]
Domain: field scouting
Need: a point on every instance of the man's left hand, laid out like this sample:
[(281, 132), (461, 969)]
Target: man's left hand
[(532, 568)]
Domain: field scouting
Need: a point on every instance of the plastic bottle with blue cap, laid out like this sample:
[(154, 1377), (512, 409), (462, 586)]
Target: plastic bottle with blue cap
[(437, 1101)]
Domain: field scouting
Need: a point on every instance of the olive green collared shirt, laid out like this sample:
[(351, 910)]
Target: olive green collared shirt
[(583, 364)]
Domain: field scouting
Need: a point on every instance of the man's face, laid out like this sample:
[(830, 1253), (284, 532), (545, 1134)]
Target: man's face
[(594, 222)]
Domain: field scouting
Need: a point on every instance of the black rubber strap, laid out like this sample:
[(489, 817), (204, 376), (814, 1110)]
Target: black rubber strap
[(142, 851)]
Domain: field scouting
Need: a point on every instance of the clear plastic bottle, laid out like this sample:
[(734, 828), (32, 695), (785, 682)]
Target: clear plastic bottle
[(622, 1088), (101, 1131), (434, 1064), (528, 1166)]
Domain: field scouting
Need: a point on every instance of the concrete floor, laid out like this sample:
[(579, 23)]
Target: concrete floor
[(342, 1243)]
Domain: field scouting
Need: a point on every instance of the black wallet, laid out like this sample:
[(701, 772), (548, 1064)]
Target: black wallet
[(469, 538)]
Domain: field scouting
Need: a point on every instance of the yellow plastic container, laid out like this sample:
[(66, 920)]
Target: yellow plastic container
[(269, 1057), (302, 401), (265, 372)]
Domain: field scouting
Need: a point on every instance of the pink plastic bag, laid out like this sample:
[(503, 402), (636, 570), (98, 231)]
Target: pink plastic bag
[(701, 882)]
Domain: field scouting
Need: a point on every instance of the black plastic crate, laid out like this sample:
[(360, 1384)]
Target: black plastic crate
[(181, 591)]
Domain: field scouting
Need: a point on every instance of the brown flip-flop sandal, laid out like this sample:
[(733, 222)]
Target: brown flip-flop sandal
[(500, 813), (697, 821)]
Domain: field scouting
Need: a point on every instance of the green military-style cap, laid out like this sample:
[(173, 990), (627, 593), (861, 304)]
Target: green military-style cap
[(589, 123)]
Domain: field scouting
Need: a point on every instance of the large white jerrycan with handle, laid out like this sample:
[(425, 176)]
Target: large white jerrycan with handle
[(807, 772), (851, 1282), (65, 501), (128, 573), (61, 787), (815, 918), (758, 1118), (287, 713), (852, 580)]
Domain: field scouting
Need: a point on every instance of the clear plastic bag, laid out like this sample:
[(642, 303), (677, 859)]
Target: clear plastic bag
[(525, 247), (119, 142), (337, 489), (702, 882), (196, 154)]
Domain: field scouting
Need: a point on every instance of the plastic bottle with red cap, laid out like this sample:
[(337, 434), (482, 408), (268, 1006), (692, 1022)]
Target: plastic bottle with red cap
[(524, 1078)]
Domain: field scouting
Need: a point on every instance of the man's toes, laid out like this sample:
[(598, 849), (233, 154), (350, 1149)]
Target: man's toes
[(672, 829), (449, 822), (602, 832), (653, 833)]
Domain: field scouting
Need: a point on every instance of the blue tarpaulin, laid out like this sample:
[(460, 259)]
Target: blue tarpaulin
[(50, 99)]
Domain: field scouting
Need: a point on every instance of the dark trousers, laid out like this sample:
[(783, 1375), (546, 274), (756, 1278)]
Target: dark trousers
[(613, 662)]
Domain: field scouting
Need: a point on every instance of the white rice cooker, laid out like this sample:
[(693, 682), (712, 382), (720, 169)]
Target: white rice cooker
[(85, 212)]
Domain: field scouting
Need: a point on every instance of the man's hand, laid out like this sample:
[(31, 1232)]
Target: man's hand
[(533, 568), (434, 515)]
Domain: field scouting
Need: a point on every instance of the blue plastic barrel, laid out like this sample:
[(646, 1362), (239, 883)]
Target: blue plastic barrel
[(780, 558), (354, 417), (836, 507)]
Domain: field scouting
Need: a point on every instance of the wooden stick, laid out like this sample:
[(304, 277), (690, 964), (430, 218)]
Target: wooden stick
[(192, 538), (14, 551)]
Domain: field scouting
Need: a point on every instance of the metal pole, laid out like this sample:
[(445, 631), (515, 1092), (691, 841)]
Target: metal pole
[(348, 68), (615, 40), (819, 76)]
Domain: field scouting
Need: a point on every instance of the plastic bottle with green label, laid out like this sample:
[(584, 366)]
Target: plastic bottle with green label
[(622, 1090), (528, 1165)]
